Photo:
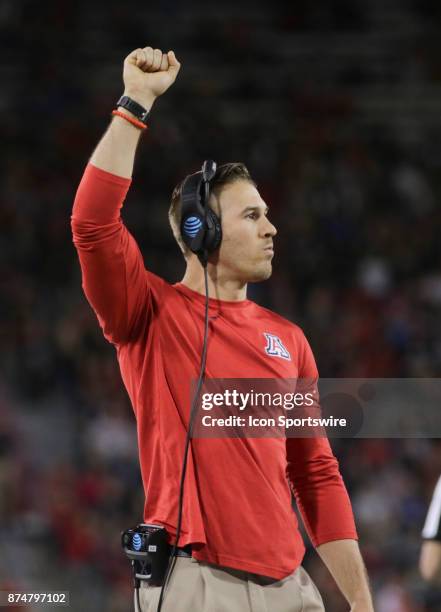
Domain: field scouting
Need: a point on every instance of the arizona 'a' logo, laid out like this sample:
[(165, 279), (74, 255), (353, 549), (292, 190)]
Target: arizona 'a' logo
[(275, 347)]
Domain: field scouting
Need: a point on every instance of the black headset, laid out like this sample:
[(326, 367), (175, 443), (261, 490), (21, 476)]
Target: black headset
[(202, 233), (200, 226)]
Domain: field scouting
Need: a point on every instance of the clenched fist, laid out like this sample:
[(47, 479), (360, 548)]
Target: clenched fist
[(148, 73)]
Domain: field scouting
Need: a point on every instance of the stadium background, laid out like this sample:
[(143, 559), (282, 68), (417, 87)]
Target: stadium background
[(335, 106)]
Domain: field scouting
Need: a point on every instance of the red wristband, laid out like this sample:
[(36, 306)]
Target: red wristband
[(139, 124)]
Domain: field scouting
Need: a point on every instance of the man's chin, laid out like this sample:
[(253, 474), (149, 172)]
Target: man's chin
[(261, 275)]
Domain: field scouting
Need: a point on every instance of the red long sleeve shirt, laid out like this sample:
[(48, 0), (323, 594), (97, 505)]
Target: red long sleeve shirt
[(237, 508)]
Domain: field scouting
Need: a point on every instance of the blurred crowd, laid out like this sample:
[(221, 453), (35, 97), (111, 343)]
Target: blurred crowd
[(335, 108)]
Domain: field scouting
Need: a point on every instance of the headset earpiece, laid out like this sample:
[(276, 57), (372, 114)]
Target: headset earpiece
[(213, 234), (200, 226)]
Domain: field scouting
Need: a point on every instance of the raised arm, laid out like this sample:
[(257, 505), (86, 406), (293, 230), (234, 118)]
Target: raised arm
[(147, 74), (115, 281)]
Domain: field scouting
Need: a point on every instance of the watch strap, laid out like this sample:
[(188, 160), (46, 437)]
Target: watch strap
[(136, 109)]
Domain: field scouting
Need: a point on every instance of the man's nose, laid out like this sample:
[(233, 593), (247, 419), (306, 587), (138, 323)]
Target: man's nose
[(269, 229)]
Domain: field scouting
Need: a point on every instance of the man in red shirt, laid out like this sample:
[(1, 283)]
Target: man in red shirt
[(239, 531)]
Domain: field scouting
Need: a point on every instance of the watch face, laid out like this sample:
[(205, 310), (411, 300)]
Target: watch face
[(136, 109)]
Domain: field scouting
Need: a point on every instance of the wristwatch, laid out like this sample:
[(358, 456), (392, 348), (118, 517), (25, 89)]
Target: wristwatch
[(136, 109)]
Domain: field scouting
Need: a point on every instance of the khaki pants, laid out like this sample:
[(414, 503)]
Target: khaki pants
[(200, 587)]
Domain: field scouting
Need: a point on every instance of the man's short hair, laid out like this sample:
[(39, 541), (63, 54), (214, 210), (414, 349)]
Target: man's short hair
[(225, 175)]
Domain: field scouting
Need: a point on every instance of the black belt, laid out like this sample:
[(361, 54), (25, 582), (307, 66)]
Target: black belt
[(183, 551)]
